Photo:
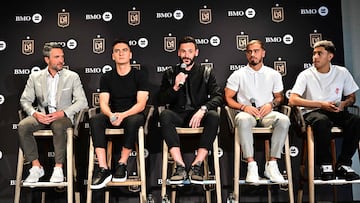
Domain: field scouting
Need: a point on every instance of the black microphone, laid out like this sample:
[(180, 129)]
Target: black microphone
[(252, 101), (182, 66)]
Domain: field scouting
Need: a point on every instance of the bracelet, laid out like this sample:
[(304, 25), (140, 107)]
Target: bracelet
[(242, 108)]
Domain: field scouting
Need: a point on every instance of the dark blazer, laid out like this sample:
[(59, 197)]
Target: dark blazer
[(201, 92)]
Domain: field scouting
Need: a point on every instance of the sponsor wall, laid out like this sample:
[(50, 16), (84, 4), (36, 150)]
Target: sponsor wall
[(222, 30)]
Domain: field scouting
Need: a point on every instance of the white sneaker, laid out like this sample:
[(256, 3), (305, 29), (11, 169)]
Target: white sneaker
[(252, 175), (57, 175), (36, 173), (272, 172)]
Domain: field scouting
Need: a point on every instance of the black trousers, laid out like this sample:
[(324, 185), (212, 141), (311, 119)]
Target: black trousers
[(130, 124), (321, 122), (170, 119)]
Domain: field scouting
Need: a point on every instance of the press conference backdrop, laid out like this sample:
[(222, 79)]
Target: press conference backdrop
[(222, 30)]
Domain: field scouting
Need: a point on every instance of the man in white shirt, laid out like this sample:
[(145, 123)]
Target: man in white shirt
[(258, 89), (325, 90)]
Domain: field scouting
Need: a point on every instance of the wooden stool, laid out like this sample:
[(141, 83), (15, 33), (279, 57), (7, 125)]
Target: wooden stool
[(208, 182), (259, 132), (70, 162), (308, 154), (132, 181), (69, 169)]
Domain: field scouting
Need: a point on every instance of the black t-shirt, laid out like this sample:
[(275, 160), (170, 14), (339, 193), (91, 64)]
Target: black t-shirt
[(123, 89)]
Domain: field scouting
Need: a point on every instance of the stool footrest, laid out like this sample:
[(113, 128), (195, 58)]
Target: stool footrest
[(44, 184), (263, 182), (335, 182)]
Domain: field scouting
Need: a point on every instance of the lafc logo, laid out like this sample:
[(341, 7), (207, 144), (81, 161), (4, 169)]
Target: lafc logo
[(280, 66), (205, 16), (277, 14), (315, 37), (98, 45), (95, 99), (27, 46), (241, 42), (169, 44), (135, 65), (63, 19), (134, 18)]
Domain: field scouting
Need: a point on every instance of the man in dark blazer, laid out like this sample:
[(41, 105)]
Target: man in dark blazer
[(193, 96), (59, 95)]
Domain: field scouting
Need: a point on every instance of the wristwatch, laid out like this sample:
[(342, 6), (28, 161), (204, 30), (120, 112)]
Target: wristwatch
[(204, 108)]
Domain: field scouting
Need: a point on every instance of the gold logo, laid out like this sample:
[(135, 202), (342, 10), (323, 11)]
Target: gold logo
[(169, 44), (277, 14), (95, 99), (134, 18), (241, 42), (207, 64), (98, 45), (280, 66), (63, 19), (136, 65), (205, 16), (27, 47), (315, 37)]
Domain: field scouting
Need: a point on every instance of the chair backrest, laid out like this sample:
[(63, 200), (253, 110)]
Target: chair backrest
[(148, 111), (299, 125), (79, 118), (231, 113)]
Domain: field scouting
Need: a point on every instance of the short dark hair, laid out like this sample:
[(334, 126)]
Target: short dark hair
[(255, 41), (50, 45), (118, 41), (328, 45), (188, 39)]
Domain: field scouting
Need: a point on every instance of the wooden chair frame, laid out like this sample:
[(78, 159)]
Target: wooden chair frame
[(308, 155), (264, 132), (132, 181), (208, 181), (70, 162)]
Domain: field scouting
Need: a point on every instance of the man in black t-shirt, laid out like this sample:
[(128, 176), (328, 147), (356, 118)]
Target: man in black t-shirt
[(123, 96)]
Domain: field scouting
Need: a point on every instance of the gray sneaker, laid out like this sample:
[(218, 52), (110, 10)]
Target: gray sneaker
[(179, 175), (195, 174)]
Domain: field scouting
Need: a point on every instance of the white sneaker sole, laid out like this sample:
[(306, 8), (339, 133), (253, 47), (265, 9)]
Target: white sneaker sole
[(119, 180), (103, 184)]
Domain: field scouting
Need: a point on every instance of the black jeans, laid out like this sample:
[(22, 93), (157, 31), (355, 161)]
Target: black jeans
[(321, 122), (170, 119), (130, 124)]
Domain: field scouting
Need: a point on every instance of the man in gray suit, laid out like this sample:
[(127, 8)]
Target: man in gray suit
[(59, 95)]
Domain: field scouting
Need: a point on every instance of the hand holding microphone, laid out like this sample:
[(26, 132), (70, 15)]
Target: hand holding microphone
[(182, 68), (258, 120)]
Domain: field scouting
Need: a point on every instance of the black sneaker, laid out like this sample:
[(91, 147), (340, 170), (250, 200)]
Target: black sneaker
[(179, 175), (346, 172), (326, 172), (120, 174), (195, 174), (100, 178)]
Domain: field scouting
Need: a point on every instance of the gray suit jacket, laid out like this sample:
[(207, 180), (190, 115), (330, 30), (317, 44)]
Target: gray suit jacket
[(70, 96)]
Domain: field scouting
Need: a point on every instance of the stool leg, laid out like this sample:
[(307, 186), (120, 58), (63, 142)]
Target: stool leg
[(69, 167), (267, 158), (217, 169), (206, 177), (164, 169), (289, 170), (302, 170), (19, 171), (109, 162), (310, 142), (90, 171), (333, 155), (141, 157), (236, 165)]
